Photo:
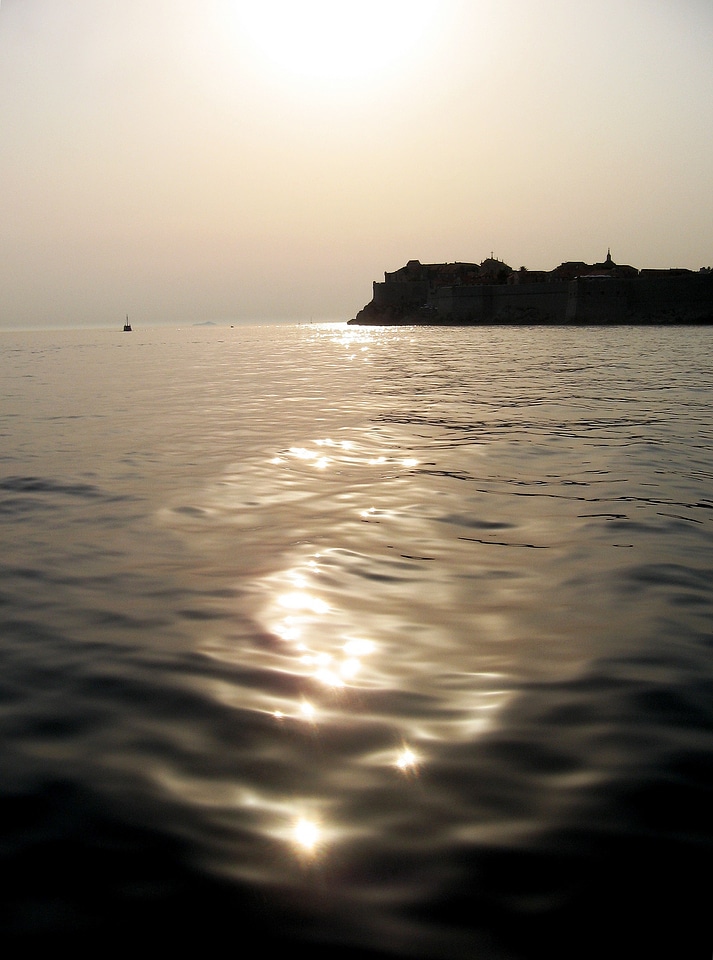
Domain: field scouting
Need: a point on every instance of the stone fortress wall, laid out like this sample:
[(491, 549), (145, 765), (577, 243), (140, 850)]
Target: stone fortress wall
[(573, 293)]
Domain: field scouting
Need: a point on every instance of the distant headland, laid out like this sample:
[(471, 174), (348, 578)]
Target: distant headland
[(492, 292)]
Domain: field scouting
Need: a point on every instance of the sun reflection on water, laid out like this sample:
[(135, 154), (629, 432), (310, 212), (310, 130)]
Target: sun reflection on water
[(407, 760), (357, 647), (301, 600), (328, 656), (303, 621), (326, 640), (307, 835), (343, 453), (308, 711)]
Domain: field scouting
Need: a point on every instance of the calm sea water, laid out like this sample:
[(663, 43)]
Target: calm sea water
[(367, 642)]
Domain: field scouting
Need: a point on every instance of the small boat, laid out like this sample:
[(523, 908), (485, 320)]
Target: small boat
[(127, 325)]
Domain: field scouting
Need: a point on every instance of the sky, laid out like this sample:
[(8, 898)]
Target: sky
[(192, 161)]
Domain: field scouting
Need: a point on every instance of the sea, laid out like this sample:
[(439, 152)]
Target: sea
[(355, 642)]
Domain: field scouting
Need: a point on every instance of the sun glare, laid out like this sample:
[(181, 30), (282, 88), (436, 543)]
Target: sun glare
[(306, 834), (324, 40), (407, 759)]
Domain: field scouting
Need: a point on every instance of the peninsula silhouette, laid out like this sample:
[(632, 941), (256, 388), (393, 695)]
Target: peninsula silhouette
[(491, 292)]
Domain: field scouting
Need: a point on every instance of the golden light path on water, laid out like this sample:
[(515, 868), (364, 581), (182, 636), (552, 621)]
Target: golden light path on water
[(333, 664), (324, 654), (331, 612)]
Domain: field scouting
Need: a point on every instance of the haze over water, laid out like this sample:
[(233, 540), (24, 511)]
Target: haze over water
[(388, 641)]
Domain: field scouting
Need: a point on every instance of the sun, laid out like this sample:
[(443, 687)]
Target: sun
[(336, 41)]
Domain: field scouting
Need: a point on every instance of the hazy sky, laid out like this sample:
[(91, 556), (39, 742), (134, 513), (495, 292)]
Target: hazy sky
[(194, 160)]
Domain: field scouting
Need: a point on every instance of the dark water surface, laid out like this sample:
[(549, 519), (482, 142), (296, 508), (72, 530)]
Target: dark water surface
[(361, 642)]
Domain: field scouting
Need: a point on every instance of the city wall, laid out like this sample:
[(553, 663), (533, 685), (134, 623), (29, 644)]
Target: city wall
[(646, 298)]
